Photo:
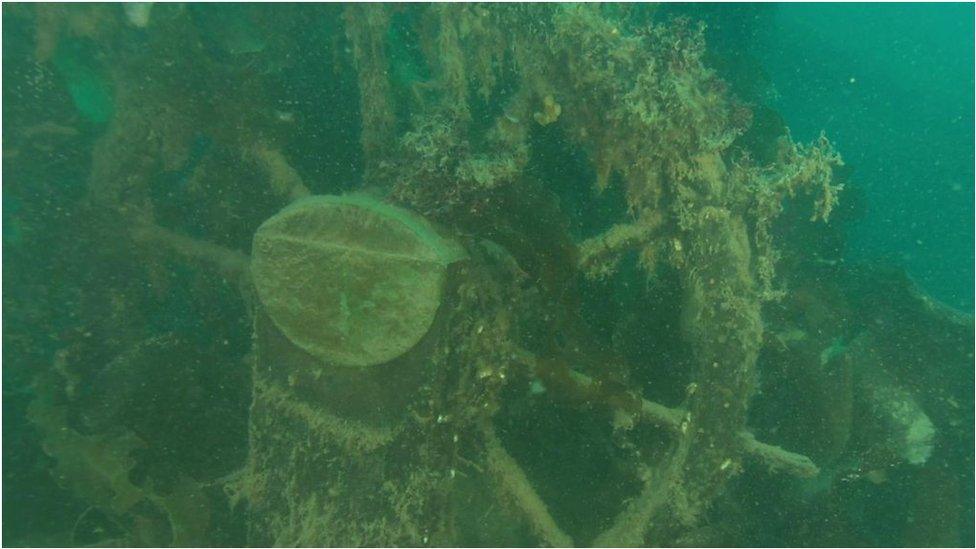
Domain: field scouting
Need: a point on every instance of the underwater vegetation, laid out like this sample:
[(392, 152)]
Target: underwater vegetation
[(448, 275)]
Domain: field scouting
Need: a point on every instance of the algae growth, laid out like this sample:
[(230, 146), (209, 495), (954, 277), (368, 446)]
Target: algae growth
[(449, 274)]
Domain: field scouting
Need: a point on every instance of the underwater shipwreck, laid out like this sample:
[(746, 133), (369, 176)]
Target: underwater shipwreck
[(448, 275)]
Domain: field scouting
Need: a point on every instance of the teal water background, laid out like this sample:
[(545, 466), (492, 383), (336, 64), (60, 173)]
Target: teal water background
[(892, 84)]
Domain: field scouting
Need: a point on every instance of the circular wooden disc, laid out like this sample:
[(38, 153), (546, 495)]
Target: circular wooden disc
[(349, 279)]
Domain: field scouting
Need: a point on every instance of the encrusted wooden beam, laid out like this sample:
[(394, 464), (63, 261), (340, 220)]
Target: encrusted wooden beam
[(599, 255), (513, 483), (678, 420), (778, 459), (228, 262)]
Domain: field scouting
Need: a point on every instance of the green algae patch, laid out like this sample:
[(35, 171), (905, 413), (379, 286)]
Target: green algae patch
[(349, 279)]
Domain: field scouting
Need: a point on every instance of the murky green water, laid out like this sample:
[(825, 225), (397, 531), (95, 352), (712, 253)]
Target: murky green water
[(472, 275)]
